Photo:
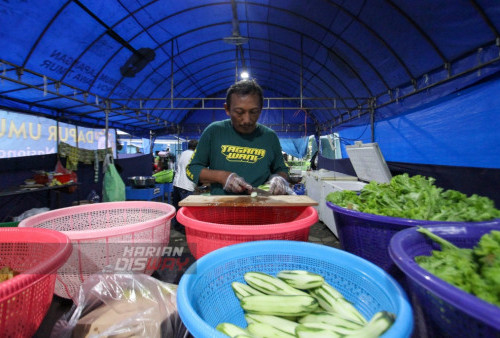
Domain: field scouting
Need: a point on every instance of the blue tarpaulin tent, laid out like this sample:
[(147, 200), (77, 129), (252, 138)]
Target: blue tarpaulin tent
[(296, 147), (418, 77)]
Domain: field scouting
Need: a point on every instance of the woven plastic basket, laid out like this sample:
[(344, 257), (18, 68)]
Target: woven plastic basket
[(441, 309), (35, 254), (368, 235), (205, 297), (210, 228), (106, 235)]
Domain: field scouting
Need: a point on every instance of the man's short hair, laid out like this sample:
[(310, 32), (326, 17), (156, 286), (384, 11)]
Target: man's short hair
[(244, 87), (192, 144)]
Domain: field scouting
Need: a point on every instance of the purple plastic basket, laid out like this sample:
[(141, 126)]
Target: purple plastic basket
[(368, 235), (441, 309)]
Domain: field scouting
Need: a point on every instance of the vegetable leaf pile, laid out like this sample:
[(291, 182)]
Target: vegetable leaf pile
[(416, 197), (476, 271)]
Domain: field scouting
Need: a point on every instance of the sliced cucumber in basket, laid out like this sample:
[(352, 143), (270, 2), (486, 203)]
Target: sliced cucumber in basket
[(299, 303)]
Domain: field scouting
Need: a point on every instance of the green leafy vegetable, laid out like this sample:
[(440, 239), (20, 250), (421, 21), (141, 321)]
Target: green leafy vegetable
[(416, 197), (476, 271)]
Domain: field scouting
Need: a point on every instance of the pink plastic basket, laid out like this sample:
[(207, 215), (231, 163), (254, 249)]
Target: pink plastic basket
[(211, 228), (35, 254), (106, 236)]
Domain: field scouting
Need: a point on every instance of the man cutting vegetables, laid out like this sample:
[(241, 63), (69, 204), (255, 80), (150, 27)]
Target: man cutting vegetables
[(238, 154)]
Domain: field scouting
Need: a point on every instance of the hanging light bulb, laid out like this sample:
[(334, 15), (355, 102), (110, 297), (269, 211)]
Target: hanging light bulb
[(244, 75)]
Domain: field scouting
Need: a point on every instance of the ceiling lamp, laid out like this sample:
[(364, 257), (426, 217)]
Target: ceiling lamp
[(244, 75)]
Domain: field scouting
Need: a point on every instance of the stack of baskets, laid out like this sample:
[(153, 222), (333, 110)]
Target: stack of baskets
[(106, 236)]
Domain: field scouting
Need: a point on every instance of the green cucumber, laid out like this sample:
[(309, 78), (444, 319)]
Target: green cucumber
[(332, 301), (242, 290), (378, 324), (279, 305), (314, 330), (230, 329), (270, 285), (331, 319), (280, 323), (267, 331), (301, 279), (339, 330)]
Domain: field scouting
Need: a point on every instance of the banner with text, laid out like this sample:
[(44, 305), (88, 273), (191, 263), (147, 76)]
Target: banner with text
[(26, 135)]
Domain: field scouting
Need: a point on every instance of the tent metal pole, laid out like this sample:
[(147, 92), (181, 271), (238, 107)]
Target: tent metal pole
[(301, 68), (107, 126), (236, 65), (372, 124), (172, 75), (58, 137)]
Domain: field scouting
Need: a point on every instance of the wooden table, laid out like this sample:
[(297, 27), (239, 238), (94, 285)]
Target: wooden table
[(27, 190)]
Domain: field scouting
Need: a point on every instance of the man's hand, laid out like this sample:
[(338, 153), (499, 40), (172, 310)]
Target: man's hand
[(278, 185), (236, 184)]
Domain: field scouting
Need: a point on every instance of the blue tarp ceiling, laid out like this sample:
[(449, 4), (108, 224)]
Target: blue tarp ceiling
[(164, 66)]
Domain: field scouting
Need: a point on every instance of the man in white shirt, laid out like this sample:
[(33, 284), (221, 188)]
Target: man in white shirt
[(183, 186)]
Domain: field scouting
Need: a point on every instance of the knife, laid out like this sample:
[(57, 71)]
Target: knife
[(261, 192)]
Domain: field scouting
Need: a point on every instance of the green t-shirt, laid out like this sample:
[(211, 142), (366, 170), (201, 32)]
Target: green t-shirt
[(254, 157)]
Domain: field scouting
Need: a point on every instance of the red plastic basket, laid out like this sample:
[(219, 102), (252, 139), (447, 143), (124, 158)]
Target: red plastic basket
[(25, 299), (211, 228)]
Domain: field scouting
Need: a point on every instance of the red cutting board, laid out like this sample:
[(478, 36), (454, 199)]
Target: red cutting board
[(248, 201)]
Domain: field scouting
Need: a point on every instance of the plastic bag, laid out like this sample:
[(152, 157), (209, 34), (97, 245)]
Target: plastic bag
[(93, 197), (113, 187), (123, 305), (59, 169), (164, 176), (29, 213)]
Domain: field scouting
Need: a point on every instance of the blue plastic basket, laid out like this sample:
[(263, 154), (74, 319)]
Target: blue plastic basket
[(205, 297), (441, 309), (368, 235)]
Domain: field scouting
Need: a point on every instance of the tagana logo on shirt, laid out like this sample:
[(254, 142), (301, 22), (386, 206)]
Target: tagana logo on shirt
[(242, 154)]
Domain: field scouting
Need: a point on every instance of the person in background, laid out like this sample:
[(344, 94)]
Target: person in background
[(238, 154), (183, 186), (156, 161)]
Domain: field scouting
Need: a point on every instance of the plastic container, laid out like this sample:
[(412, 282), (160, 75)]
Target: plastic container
[(205, 297), (211, 228), (441, 309), (41, 178), (106, 235), (325, 213), (299, 189), (368, 235), (35, 254)]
